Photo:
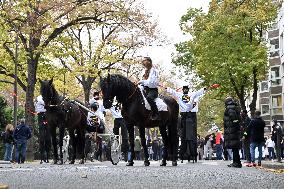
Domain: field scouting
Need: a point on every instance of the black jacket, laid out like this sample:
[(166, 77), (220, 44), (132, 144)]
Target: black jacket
[(255, 130), (8, 137), (22, 133), (232, 130)]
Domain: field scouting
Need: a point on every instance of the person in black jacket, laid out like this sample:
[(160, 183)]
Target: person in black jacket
[(8, 142), (232, 130), (277, 138), (21, 134), (245, 121), (255, 132)]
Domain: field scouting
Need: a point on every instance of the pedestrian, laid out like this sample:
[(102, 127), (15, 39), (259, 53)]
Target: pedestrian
[(255, 132), (119, 123), (232, 130), (137, 148), (8, 141), (21, 135), (245, 121), (270, 146), (44, 133), (208, 147), (219, 145), (277, 138), (155, 148), (282, 144), (200, 147)]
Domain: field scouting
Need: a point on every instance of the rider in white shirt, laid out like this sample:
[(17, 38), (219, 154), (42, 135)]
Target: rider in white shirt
[(151, 82)]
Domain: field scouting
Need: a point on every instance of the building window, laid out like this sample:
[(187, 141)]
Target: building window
[(272, 26), (276, 102), (264, 86), (274, 44), (281, 44), (264, 109), (275, 76)]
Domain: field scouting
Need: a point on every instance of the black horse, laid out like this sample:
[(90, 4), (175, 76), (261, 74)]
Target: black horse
[(63, 113), (135, 113)]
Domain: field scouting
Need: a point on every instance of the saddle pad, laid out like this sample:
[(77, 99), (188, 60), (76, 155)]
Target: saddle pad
[(162, 106)]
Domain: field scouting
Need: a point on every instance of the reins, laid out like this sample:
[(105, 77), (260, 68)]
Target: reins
[(129, 97)]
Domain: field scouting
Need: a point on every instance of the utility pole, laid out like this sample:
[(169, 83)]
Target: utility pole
[(16, 84)]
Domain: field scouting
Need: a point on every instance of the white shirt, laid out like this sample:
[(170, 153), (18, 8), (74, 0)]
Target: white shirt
[(39, 105), (186, 106), (116, 112), (153, 79), (195, 103), (270, 143)]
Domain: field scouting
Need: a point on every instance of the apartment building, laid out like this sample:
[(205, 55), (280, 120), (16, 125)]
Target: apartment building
[(271, 90)]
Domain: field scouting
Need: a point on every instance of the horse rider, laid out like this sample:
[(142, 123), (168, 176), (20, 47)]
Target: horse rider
[(150, 82), (186, 103), (44, 140)]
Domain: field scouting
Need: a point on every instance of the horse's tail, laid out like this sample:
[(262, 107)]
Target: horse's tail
[(173, 126)]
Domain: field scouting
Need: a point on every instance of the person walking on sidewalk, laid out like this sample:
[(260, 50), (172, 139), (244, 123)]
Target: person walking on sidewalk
[(21, 134), (255, 133), (8, 142)]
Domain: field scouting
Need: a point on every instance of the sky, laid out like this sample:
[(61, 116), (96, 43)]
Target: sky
[(168, 14)]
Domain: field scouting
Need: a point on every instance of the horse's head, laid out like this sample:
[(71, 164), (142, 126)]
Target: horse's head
[(107, 90), (47, 91)]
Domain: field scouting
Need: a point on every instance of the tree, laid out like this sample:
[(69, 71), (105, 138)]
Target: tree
[(38, 23), (89, 50), (228, 46)]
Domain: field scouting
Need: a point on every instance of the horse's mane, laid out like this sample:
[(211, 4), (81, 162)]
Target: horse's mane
[(122, 86)]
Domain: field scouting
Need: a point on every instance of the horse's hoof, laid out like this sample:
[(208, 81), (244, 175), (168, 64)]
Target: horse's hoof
[(72, 162), (130, 164), (146, 163), (81, 162), (60, 162), (174, 163), (164, 163)]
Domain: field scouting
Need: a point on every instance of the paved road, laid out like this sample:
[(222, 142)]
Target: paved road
[(201, 175)]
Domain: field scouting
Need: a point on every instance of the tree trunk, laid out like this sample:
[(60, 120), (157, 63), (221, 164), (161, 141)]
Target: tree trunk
[(87, 86), (29, 106), (252, 105)]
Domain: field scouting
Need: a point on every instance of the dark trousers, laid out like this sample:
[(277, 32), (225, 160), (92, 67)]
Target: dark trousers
[(21, 148), (246, 147), (119, 123), (188, 136), (152, 94), (219, 150), (236, 156), (44, 137)]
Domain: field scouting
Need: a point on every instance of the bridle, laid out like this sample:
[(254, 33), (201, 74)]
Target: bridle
[(130, 96)]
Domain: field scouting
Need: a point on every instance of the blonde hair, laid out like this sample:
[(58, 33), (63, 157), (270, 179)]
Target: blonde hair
[(9, 127)]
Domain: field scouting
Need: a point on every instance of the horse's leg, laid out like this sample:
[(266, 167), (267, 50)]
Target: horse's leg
[(130, 129), (61, 135), (173, 138), (41, 144), (165, 139), (54, 143), (47, 144), (143, 142), (73, 140), (81, 133)]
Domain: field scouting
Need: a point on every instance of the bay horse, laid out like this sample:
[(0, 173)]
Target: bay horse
[(135, 114), (63, 113)]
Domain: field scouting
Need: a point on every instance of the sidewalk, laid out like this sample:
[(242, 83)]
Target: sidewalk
[(273, 164)]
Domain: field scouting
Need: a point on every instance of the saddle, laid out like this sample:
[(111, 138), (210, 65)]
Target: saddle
[(161, 105)]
